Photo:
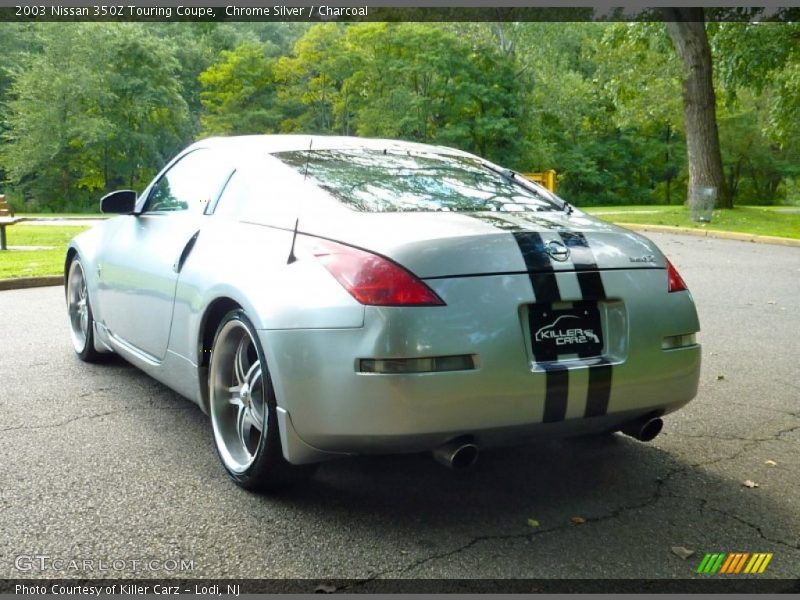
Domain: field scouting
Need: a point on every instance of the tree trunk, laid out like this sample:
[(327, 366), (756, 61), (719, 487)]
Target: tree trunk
[(686, 27)]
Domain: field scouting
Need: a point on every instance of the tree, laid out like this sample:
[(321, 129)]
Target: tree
[(98, 107), (239, 93), (758, 68), (413, 81), (763, 58), (640, 71), (422, 82), (53, 118), (601, 156), (145, 106), (686, 27), (311, 79), (15, 40)]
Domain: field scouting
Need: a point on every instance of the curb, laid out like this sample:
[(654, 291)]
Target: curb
[(21, 283), (714, 233)]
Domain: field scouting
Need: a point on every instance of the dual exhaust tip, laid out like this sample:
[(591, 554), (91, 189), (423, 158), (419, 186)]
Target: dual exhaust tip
[(458, 454), (645, 429), (462, 453)]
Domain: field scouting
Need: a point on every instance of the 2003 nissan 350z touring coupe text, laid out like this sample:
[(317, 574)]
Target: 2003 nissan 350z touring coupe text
[(328, 296)]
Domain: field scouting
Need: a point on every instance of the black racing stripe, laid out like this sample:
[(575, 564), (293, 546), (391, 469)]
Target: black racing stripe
[(592, 289), (599, 392), (557, 390), (545, 290), (538, 265), (591, 285), (585, 265)]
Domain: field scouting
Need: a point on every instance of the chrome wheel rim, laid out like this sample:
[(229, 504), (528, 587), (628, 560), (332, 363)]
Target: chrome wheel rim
[(238, 399), (78, 306)]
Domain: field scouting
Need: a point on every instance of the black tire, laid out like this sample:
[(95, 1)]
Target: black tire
[(237, 360), (79, 312)]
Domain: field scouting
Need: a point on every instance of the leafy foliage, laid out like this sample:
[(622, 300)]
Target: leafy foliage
[(238, 93), (75, 128), (89, 107)]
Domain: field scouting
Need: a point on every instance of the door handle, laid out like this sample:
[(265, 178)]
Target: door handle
[(185, 253)]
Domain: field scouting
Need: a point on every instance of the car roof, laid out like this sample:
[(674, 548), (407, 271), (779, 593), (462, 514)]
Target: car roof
[(271, 144)]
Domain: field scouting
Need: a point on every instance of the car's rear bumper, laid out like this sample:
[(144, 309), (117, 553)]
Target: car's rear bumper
[(332, 407)]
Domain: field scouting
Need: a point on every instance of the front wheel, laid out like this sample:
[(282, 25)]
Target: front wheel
[(243, 407), (79, 310)]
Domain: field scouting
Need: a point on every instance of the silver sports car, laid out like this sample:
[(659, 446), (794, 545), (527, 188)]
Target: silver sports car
[(326, 296)]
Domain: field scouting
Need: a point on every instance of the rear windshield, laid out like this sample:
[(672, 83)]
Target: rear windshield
[(399, 181)]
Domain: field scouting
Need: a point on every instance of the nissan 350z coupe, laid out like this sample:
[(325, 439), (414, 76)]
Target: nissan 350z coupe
[(325, 296)]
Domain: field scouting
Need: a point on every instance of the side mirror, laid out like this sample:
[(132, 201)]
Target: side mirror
[(121, 202)]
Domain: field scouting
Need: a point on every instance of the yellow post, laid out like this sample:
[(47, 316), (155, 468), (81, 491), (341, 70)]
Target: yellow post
[(545, 178)]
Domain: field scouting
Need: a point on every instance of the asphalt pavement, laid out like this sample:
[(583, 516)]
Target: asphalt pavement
[(102, 463)]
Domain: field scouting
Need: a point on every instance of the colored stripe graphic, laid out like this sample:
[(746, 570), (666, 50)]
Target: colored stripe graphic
[(740, 563), (758, 563), (708, 563), (704, 563), (711, 563), (715, 567), (764, 564), (734, 563), (730, 561)]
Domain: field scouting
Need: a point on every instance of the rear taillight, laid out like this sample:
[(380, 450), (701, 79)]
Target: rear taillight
[(370, 278), (675, 282)]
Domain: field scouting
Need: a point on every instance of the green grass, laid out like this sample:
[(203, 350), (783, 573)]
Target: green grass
[(60, 215), (744, 219), (36, 263), (759, 220)]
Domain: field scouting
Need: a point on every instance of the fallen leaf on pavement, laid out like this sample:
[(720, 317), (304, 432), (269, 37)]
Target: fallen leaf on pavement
[(577, 520), (749, 484), (682, 552), (770, 463), (720, 377)]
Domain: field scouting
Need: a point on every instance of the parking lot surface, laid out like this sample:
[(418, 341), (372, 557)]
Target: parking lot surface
[(101, 462)]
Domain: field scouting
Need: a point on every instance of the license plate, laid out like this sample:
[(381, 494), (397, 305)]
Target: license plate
[(573, 330)]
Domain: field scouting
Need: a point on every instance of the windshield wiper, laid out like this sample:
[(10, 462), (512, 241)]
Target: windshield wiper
[(523, 181)]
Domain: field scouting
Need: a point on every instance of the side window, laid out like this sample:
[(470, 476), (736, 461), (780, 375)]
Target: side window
[(262, 194), (190, 184), (233, 197)]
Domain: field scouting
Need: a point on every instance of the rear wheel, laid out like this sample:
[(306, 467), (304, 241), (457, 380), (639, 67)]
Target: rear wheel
[(243, 408), (79, 310)]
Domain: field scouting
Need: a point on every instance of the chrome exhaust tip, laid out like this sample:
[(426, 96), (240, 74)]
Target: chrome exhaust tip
[(457, 454), (644, 430)]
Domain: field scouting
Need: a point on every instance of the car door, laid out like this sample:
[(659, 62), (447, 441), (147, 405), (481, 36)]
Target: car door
[(139, 269)]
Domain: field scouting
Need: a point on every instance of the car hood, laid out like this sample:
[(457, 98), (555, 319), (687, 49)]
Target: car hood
[(441, 244)]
